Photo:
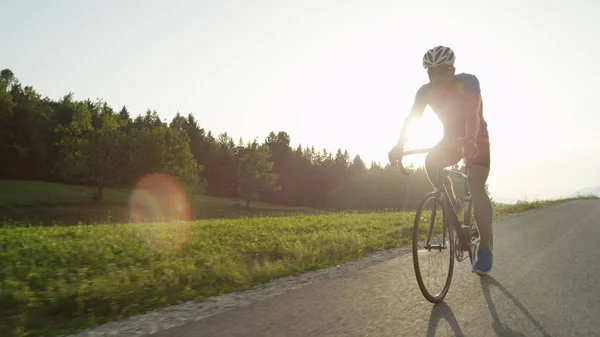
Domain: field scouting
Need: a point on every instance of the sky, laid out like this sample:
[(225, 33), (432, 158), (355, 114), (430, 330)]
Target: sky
[(332, 74)]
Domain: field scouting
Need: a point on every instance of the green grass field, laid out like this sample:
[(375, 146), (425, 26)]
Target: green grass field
[(59, 279), (46, 203)]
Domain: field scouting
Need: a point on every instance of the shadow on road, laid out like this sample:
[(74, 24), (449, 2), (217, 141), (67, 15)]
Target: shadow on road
[(499, 328), (442, 311)]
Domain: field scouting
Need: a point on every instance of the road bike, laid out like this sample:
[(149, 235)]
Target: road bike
[(459, 238)]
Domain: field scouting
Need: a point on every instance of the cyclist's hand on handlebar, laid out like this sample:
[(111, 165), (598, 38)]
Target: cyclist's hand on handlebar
[(395, 155), (470, 149)]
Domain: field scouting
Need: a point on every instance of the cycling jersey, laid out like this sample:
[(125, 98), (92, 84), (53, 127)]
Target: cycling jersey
[(449, 107)]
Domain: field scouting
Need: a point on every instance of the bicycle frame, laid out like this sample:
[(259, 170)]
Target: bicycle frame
[(440, 191), (454, 220)]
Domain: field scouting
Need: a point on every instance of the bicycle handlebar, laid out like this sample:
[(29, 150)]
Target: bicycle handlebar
[(417, 151), (406, 153)]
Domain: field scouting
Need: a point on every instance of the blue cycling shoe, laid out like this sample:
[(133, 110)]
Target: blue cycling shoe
[(485, 259)]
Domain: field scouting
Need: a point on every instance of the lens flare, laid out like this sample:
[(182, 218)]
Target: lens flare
[(159, 202)]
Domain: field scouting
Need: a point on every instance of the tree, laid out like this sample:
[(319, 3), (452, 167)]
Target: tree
[(179, 161), (358, 166), (281, 156), (7, 144), (8, 77), (254, 172), (87, 151), (162, 149), (221, 173)]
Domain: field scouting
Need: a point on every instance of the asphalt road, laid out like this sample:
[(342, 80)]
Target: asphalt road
[(545, 282)]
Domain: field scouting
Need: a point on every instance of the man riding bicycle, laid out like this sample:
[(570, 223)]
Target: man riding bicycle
[(456, 100)]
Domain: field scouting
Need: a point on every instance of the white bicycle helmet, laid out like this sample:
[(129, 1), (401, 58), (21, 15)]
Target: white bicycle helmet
[(437, 56)]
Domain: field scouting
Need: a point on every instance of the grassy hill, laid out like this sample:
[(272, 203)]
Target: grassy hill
[(46, 203)]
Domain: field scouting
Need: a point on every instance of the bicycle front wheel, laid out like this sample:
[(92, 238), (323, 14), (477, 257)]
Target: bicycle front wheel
[(433, 248)]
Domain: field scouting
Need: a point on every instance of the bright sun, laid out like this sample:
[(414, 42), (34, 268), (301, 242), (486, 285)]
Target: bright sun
[(423, 133)]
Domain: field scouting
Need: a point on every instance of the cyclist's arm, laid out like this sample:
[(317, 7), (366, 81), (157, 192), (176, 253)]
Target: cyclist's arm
[(472, 107), (416, 112)]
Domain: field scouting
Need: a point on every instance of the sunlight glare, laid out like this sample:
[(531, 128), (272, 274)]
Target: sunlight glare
[(162, 208), (423, 133)]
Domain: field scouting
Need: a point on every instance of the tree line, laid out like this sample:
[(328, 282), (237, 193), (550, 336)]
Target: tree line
[(87, 142)]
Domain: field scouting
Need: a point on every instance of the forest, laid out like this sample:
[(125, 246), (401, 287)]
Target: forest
[(90, 143)]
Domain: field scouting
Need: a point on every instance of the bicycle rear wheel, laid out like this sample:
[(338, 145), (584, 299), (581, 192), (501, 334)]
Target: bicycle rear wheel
[(433, 248)]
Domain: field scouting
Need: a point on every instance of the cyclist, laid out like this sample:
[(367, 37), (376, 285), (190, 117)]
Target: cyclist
[(456, 100)]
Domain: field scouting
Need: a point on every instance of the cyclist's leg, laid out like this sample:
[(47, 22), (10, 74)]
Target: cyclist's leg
[(442, 155), (482, 206)]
